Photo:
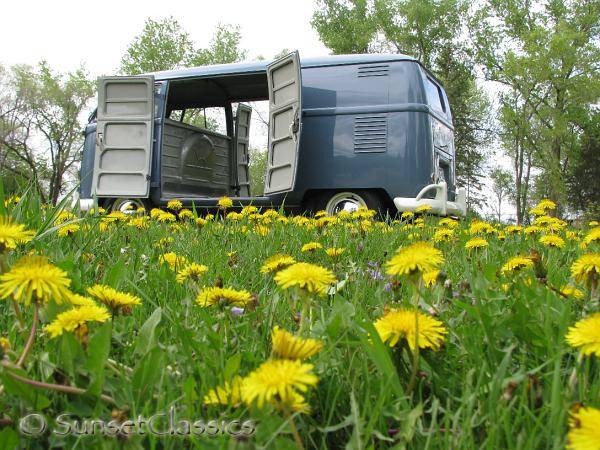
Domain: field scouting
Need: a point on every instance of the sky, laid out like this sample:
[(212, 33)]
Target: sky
[(69, 33)]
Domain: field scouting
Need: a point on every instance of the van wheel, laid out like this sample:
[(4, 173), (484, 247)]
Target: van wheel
[(334, 202), (128, 205)]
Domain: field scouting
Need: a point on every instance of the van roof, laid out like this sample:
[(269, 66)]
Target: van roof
[(261, 66)]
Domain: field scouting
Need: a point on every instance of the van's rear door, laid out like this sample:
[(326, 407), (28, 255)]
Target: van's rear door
[(285, 114), (124, 136)]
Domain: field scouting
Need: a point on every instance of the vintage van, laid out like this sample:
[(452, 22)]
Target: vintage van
[(343, 132)]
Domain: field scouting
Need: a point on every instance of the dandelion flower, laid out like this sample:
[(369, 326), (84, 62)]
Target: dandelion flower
[(141, 223), (448, 222), (4, 344), (312, 278), (593, 223), (532, 229), (586, 267), (552, 240), (80, 300), (217, 295), (225, 202), (586, 335), (417, 257), (584, 432), (311, 246), (406, 215), (593, 235), (276, 263), (572, 291), (513, 229), (165, 217), (479, 227), (476, 243), (278, 381), (423, 208), (546, 204), (75, 318), (537, 211), (34, 278), (173, 260), (400, 324), (443, 235), (192, 271), (334, 252), (13, 234), (517, 264), (174, 205), (229, 394), (430, 278), (288, 346), (113, 298), (63, 217)]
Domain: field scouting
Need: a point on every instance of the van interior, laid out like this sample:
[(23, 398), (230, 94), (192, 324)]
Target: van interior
[(205, 146)]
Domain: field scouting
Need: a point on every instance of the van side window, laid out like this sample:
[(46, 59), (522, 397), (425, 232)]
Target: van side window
[(434, 95)]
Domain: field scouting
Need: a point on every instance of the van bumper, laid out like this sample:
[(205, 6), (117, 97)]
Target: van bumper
[(84, 204), (439, 205)]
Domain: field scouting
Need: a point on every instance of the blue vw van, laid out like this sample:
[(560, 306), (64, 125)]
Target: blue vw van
[(343, 132)]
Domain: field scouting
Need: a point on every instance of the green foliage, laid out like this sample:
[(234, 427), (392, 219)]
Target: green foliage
[(583, 179), (502, 185), (165, 45), (258, 171)]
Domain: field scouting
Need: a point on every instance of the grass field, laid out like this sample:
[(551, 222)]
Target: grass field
[(499, 375)]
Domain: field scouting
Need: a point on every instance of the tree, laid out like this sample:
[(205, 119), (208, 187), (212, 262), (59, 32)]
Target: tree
[(165, 45), (162, 45), (583, 179), (430, 31), (502, 183), (546, 55), (41, 137)]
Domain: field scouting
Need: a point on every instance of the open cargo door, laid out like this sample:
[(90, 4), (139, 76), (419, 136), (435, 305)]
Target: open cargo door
[(242, 136), (285, 112), (124, 136)]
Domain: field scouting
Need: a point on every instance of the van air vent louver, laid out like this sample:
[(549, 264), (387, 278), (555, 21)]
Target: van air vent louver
[(379, 70), (370, 133)]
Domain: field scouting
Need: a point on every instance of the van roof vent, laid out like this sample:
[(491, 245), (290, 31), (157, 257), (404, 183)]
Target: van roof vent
[(370, 133), (373, 70)]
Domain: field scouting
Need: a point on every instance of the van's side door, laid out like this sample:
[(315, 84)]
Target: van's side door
[(124, 135), (285, 115)]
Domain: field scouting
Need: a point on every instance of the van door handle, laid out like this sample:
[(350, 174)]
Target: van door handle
[(99, 140)]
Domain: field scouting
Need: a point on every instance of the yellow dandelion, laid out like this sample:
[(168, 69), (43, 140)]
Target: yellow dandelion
[(546, 204), (423, 208), (234, 216), (311, 278), (140, 210), (430, 278), (311, 246), (100, 211), (192, 271), (288, 346), (480, 227), (276, 263), (593, 223), (572, 236), (225, 202), (418, 257), (261, 230), (163, 242), (532, 229), (34, 278), (586, 267), (585, 335), (517, 264), (201, 222), (584, 432), (155, 212), (406, 215), (63, 217), (278, 381), (229, 394), (75, 318), (218, 296), (113, 298), (403, 323), (572, 291), (537, 211), (513, 229), (593, 235), (334, 252), (13, 234), (4, 345), (185, 214), (80, 300), (552, 240), (165, 217), (141, 223), (174, 205), (448, 222), (173, 260), (443, 235)]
